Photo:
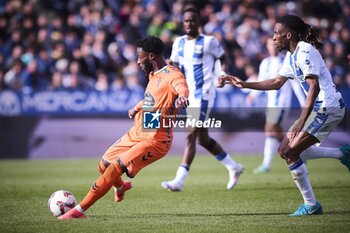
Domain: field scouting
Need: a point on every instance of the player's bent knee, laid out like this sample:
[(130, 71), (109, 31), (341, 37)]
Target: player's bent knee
[(290, 155), (102, 166)]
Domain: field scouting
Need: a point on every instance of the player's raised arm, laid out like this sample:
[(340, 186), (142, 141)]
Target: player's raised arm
[(270, 84), (182, 91), (180, 87)]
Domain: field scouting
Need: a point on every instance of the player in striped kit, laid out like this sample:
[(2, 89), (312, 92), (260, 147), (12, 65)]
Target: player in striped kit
[(195, 54), (278, 104), (323, 110)]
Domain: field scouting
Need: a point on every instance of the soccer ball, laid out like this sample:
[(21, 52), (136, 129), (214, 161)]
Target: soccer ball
[(61, 202)]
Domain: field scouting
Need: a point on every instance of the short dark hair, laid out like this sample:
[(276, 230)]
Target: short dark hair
[(302, 30), (193, 10), (151, 44)]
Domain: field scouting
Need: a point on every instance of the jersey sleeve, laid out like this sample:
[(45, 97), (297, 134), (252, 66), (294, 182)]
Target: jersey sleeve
[(308, 61), (174, 51), (215, 48), (286, 69)]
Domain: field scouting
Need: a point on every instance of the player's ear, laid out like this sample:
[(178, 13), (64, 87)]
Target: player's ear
[(289, 35), (151, 56)]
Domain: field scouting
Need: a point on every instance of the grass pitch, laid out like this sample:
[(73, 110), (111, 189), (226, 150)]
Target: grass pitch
[(259, 203)]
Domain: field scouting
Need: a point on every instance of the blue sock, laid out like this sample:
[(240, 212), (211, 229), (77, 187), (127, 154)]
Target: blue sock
[(185, 166), (221, 156)]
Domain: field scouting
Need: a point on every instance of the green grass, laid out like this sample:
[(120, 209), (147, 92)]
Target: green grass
[(259, 203)]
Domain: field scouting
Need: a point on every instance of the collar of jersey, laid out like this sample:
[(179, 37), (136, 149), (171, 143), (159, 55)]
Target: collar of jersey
[(158, 71)]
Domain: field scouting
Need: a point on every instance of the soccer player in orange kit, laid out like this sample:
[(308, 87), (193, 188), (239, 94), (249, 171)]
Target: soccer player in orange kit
[(166, 91)]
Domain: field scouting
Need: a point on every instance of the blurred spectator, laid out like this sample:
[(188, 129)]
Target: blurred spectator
[(157, 24), (13, 77), (75, 79), (30, 77), (2, 81), (88, 62), (56, 82), (102, 81)]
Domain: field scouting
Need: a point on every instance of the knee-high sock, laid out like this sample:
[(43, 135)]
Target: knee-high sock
[(119, 182), (226, 160), (102, 185), (300, 175), (270, 149), (315, 152), (181, 174)]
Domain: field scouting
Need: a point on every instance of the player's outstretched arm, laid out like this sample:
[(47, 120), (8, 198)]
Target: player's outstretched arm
[(270, 84), (233, 80)]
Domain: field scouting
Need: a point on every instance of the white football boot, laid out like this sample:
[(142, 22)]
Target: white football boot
[(234, 174), (172, 185)]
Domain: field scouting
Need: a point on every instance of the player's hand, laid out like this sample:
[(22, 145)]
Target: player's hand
[(296, 130), (181, 102), (132, 112), (221, 82), (235, 81)]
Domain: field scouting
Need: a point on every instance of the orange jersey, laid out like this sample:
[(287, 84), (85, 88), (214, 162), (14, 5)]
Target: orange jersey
[(160, 95)]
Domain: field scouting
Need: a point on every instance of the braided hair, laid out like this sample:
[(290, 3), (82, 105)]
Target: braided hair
[(302, 30)]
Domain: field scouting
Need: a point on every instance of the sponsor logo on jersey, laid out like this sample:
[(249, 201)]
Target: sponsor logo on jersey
[(148, 100)]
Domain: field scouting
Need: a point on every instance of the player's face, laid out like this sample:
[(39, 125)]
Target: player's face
[(280, 37), (271, 47), (143, 61), (191, 24)]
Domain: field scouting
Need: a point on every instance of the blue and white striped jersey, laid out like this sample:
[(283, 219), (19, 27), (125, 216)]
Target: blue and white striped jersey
[(307, 61), (196, 59)]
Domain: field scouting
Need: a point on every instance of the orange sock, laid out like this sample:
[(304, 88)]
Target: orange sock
[(102, 185), (119, 182)]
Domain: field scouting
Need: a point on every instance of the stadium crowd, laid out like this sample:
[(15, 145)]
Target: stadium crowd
[(90, 45)]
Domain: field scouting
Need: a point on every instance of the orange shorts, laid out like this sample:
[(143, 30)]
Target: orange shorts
[(132, 155)]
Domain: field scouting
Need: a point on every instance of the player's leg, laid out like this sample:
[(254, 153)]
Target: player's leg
[(273, 136), (330, 121), (119, 147), (235, 169), (102, 166), (130, 162), (120, 186), (101, 186), (193, 113), (315, 152), (290, 151), (178, 182)]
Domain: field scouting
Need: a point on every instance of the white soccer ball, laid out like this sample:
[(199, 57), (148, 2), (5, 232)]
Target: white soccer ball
[(61, 202)]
